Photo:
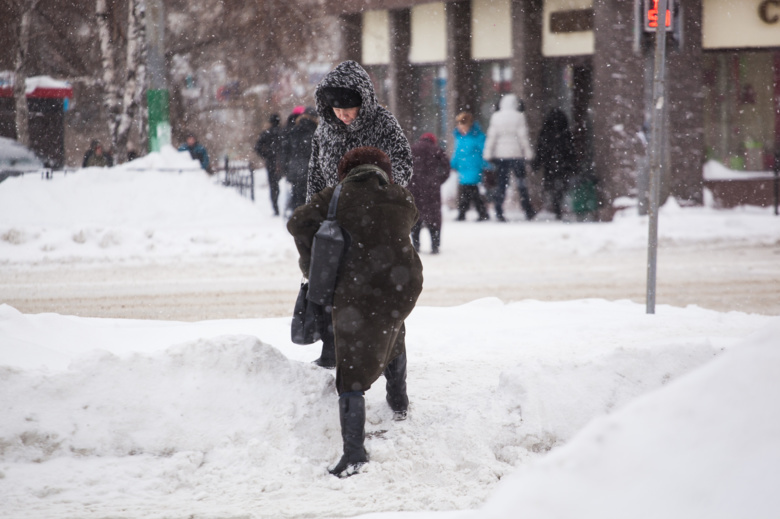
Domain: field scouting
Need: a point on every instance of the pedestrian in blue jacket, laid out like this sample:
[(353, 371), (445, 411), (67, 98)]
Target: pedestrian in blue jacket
[(468, 162)]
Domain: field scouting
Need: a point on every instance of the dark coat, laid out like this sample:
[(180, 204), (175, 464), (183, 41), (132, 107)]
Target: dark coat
[(374, 126), (268, 146), (298, 147), (555, 151), (431, 170), (380, 277)]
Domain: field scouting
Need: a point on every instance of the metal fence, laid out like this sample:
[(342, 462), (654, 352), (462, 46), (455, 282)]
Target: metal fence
[(239, 174)]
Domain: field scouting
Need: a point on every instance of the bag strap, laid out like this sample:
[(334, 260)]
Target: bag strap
[(334, 202)]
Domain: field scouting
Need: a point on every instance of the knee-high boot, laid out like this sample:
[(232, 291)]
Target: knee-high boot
[(395, 374), (352, 413)]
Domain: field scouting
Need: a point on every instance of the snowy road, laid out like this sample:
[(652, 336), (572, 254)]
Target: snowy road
[(723, 277)]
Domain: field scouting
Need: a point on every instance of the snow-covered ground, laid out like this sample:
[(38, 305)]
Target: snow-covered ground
[(584, 408)]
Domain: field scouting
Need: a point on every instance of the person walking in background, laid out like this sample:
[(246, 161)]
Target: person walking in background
[(351, 117), (555, 154), (372, 299), (508, 147), (97, 159), (267, 147), (298, 149), (90, 151), (431, 170), (468, 162), (197, 151)]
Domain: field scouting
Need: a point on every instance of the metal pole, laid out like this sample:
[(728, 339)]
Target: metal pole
[(157, 96), (656, 155)]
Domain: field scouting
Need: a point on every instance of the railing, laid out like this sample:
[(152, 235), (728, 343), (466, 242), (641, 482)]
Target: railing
[(239, 174)]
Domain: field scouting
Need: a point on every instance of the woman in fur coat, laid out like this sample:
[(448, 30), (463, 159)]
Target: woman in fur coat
[(350, 117), (378, 283)]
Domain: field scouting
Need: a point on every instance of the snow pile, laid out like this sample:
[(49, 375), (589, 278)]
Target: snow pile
[(704, 446), (167, 159), (120, 213), (586, 408), (163, 208), (110, 417)]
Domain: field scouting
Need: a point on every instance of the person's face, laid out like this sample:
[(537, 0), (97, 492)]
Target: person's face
[(99, 151), (190, 141), (463, 127), (346, 115)]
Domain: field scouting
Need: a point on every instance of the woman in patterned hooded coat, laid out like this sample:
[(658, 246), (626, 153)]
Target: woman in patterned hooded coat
[(345, 88), (350, 117)]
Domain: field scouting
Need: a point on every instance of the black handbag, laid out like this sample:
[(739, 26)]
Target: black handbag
[(326, 251), (307, 319)]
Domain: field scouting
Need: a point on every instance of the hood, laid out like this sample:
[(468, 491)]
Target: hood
[(348, 74), (508, 103)]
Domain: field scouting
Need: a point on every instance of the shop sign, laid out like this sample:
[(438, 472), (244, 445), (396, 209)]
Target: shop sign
[(651, 15), (739, 24), (768, 11)]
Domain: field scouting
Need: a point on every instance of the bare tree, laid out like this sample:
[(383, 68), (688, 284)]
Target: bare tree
[(121, 100), (26, 9)]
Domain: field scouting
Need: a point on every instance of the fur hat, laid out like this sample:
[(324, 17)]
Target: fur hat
[(363, 156), (339, 97)]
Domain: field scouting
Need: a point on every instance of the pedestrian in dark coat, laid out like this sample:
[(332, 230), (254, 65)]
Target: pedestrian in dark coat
[(555, 154), (350, 117), (268, 146), (431, 170), (344, 88), (298, 149), (378, 283)]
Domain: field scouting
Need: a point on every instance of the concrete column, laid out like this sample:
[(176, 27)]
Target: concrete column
[(618, 79), (684, 84), (351, 37), (461, 83), (400, 71), (527, 60)]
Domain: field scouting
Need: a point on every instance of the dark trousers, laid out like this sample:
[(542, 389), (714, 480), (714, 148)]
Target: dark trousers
[(435, 230), (468, 195), (298, 195), (503, 169), (273, 184)]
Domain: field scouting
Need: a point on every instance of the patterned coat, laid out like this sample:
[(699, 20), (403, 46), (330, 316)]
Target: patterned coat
[(375, 126), (380, 277)]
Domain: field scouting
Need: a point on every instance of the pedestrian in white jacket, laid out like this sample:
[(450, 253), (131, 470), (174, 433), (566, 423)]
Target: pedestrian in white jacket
[(508, 147)]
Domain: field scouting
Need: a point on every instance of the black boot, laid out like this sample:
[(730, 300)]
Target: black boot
[(328, 355), (435, 241), (352, 412), (395, 374)]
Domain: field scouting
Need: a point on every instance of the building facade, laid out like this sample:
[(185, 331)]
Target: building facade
[(593, 59)]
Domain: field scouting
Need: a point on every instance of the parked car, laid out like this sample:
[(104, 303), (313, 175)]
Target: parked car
[(16, 159)]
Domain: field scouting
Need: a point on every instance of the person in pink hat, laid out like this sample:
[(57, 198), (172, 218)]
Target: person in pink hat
[(431, 168)]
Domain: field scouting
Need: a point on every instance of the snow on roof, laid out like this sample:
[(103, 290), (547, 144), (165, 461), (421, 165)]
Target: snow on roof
[(36, 86), (714, 170)]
